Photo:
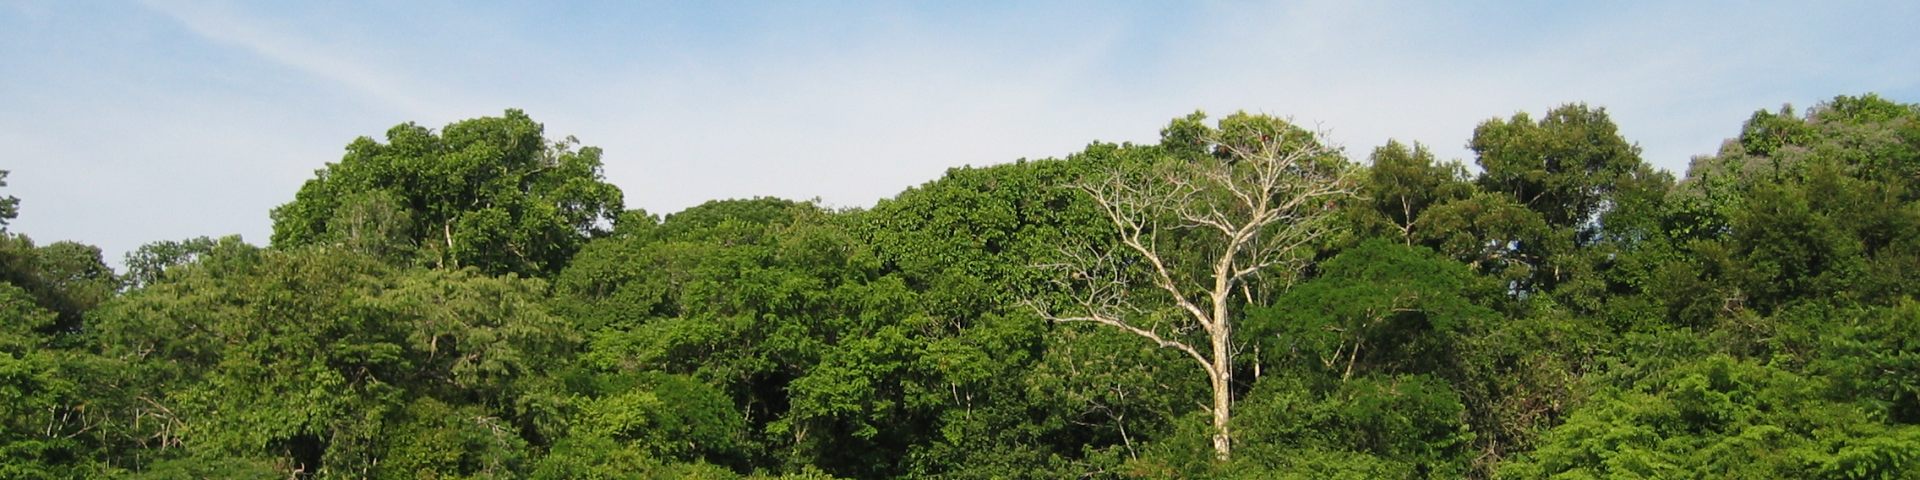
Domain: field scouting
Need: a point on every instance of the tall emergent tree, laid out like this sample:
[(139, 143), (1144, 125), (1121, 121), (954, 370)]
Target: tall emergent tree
[(1198, 230), (491, 193)]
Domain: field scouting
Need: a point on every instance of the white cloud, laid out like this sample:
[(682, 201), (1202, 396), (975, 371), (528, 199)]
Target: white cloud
[(272, 39), (856, 103)]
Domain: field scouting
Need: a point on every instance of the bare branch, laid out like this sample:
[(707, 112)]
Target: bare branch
[(1144, 333), (1264, 198)]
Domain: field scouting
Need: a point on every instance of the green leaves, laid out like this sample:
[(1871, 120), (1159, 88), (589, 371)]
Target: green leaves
[(1790, 258), (62, 411), (1402, 183), (1392, 426), (9, 205), (65, 277), (1378, 306), (1568, 313), (490, 193), (1721, 418), (1563, 166), (314, 357)]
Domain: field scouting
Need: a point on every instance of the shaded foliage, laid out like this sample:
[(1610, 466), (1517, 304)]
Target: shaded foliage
[(474, 303)]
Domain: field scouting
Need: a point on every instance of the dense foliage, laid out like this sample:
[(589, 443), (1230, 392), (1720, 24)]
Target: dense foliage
[(474, 302)]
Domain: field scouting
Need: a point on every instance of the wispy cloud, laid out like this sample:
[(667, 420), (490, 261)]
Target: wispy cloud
[(1677, 78), (850, 102), (269, 38)]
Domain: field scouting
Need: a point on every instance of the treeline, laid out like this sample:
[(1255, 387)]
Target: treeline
[(476, 302)]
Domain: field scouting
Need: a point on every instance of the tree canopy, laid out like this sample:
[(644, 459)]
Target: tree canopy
[(491, 193), (1237, 300)]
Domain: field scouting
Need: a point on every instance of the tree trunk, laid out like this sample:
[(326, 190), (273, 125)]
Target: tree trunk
[(1220, 332), (1259, 208), (1222, 399)]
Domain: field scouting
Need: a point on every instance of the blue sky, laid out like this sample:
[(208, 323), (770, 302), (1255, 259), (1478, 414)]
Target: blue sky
[(126, 122)]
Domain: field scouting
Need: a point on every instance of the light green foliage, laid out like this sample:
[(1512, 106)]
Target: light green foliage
[(31, 389), (599, 458), (431, 439), (1871, 137), (206, 469), (376, 223), (663, 416), (1119, 394), (491, 193), (313, 358), (59, 415), (1721, 418), (1872, 356), (1569, 313)]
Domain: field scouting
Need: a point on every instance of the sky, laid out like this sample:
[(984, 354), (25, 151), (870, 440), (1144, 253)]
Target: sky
[(129, 122)]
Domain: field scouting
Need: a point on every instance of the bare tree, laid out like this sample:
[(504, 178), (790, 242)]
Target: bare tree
[(1196, 235)]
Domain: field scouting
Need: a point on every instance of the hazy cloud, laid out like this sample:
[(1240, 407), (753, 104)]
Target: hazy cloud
[(162, 119), (272, 39)]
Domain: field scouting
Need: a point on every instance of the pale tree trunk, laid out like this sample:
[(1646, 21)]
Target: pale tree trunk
[(1222, 394), (1269, 199), (1220, 336)]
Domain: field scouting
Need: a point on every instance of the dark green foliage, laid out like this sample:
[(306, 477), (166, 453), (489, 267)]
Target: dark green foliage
[(1568, 313), (65, 277), (1564, 166), (1379, 307), (1494, 234), (1388, 426), (206, 469), (1828, 212), (984, 228), (1402, 183), (9, 205), (769, 300)]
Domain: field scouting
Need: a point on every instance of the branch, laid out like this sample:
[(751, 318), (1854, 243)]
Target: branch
[(1127, 207), (1148, 334)]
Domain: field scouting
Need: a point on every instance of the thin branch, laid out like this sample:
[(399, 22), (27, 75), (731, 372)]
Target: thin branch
[(1148, 334)]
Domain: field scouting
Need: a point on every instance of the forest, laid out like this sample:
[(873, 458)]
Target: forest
[(1239, 300)]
